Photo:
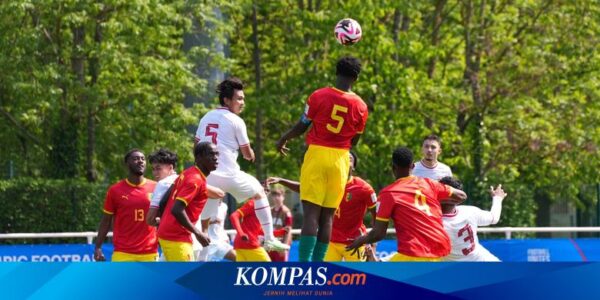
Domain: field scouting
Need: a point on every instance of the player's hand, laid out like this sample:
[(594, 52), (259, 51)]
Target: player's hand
[(355, 245), (370, 253), (203, 239), (244, 237), (156, 221), (98, 255), (498, 191), (272, 180), (281, 148)]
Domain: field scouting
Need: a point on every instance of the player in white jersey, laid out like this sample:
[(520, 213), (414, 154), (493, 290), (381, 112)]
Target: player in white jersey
[(220, 246), (429, 166), (461, 222), (224, 127)]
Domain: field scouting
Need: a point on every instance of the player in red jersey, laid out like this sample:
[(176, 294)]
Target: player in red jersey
[(185, 204), (127, 203), (249, 231), (413, 203), (338, 117), (359, 197)]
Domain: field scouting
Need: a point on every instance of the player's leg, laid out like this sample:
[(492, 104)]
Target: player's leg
[(337, 175), (308, 233), (231, 255), (222, 181), (312, 193), (324, 233), (246, 187)]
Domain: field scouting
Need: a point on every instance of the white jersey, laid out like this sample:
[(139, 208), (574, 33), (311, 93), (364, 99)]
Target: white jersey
[(436, 173), (216, 229), (228, 131), (461, 227), (161, 188)]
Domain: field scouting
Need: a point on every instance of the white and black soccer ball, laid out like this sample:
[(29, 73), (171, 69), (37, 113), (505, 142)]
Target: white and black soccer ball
[(347, 32)]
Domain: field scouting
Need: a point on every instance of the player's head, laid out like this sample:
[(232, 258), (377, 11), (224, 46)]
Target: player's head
[(353, 162), (348, 68), (402, 162), (135, 160), (431, 148), (231, 94), (163, 163), (448, 207), (277, 195), (206, 156)]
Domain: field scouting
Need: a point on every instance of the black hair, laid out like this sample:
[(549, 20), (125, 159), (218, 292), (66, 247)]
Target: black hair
[(163, 156), (348, 66), (355, 158), (128, 154), (402, 157), (201, 149), (227, 87), (433, 137), (453, 182)]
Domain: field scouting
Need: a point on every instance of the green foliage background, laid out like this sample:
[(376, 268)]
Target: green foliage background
[(512, 88)]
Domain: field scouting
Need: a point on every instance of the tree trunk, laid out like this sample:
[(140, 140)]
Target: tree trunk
[(94, 69), (436, 24), (258, 128)]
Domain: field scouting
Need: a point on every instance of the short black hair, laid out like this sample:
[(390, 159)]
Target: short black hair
[(163, 156), (433, 137), (128, 154), (453, 182), (402, 157), (348, 66), (355, 159), (201, 149), (227, 87)]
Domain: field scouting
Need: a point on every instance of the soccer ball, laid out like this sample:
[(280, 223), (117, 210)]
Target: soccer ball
[(347, 32)]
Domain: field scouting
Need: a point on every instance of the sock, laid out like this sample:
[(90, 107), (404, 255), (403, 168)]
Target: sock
[(307, 245), (263, 213), (319, 252)]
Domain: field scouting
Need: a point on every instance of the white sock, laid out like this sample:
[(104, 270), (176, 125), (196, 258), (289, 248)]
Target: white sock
[(263, 213)]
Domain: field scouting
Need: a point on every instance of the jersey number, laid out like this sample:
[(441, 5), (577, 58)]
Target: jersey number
[(336, 117), (212, 133), (421, 203), (139, 215), (467, 231)]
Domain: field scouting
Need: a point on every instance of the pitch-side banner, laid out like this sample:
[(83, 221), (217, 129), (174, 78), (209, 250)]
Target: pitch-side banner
[(299, 280)]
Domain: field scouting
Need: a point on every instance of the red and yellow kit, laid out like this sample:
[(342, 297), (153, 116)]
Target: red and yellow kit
[(414, 205), (129, 203), (251, 226), (348, 219), (336, 116), (190, 188)]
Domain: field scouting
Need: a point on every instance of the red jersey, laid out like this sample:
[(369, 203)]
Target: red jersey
[(250, 226), (414, 205), (282, 218), (336, 116), (190, 188), (348, 218), (129, 203)]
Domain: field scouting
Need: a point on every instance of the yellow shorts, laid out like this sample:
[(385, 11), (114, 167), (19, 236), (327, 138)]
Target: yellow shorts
[(323, 175), (256, 254), (401, 257), (338, 252), (119, 256), (176, 251)]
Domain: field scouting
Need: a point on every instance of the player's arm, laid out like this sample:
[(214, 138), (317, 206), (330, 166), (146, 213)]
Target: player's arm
[(152, 218), (103, 229), (375, 235), (355, 139), (456, 196), (214, 192), (178, 211), (493, 216), (236, 222), (247, 152), (290, 184), (299, 128)]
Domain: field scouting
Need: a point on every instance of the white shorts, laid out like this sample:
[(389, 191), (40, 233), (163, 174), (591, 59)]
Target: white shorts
[(216, 251), (241, 185)]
